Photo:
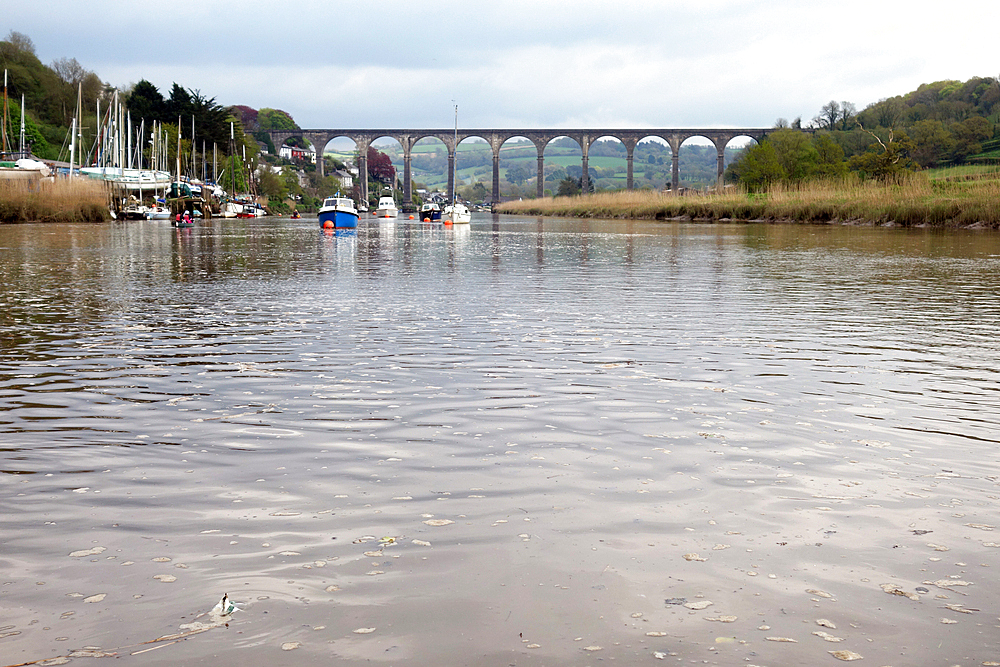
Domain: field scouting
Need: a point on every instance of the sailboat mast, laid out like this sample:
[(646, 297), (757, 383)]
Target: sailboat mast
[(194, 151), (178, 151), (100, 135), (72, 146), (119, 144), (6, 112), (128, 144), (232, 160), (454, 173), (21, 145), (79, 122)]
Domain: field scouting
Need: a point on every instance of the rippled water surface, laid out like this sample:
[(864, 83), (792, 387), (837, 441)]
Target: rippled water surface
[(522, 442)]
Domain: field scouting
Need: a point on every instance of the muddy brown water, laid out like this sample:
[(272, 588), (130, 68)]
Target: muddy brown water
[(519, 442)]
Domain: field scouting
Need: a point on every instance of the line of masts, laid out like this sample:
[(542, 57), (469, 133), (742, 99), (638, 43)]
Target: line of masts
[(113, 145), (114, 142), (7, 140)]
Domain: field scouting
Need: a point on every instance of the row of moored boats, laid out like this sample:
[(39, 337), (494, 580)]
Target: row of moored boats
[(341, 213)]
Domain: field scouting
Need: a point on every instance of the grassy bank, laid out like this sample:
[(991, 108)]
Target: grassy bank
[(915, 202), (60, 201)]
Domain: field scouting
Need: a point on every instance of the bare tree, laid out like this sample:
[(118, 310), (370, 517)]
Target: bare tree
[(20, 42), (847, 113), (828, 116), (69, 70)]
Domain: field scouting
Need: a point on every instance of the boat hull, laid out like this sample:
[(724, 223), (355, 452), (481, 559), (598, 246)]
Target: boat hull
[(340, 219), (134, 213), (130, 179), (457, 214), (431, 215), (386, 208)]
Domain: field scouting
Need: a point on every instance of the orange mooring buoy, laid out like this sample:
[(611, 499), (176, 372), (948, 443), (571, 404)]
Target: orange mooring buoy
[(328, 224), (411, 216)]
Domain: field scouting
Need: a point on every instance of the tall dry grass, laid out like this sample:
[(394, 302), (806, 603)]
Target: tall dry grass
[(62, 200), (912, 201)]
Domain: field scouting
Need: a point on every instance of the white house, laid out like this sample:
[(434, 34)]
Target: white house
[(346, 179), (296, 153)]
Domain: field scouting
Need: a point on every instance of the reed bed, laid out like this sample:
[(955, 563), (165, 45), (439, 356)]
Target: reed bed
[(61, 200), (914, 201)]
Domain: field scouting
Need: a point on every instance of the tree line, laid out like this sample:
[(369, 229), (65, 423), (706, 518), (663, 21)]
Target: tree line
[(939, 124)]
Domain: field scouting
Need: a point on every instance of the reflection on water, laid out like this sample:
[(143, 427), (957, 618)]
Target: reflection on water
[(529, 441)]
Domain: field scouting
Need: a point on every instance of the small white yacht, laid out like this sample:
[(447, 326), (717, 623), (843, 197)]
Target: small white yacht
[(456, 214)]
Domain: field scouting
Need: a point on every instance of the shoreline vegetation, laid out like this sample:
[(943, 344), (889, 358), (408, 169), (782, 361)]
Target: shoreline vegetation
[(911, 201), (62, 200)]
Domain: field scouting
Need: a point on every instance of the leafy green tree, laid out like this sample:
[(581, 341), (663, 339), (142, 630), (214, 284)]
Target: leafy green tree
[(271, 185), (569, 187), (264, 139), (47, 97), (887, 159), (518, 174), (275, 119), (291, 179), (179, 102), (233, 176), (968, 137), (757, 168), (932, 142), (829, 156), (211, 119), (146, 101), (34, 141), (795, 153)]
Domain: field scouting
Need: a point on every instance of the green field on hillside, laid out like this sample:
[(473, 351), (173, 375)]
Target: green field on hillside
[(965, 171)]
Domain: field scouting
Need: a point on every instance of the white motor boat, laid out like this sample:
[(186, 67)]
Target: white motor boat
[(386, 208), (157, 212)]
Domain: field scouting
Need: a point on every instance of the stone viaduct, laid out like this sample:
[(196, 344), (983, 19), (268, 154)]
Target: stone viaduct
[(720, 137)]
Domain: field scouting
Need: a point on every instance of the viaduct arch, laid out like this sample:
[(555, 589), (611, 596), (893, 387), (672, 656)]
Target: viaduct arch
[(319, 138)]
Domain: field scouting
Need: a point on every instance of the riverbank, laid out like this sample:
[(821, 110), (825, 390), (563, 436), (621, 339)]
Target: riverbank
[(916, 202), (59, 201)]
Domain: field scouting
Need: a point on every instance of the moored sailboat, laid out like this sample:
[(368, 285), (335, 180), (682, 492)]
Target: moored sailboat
[(457, 214)]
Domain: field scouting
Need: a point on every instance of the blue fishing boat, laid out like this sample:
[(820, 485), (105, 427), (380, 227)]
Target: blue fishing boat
[(430, 212), (338, 213)]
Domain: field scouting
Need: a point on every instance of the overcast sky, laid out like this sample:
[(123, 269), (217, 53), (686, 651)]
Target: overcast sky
[(522, 63)]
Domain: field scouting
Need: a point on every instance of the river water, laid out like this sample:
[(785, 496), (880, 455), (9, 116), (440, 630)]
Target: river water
[(519, 442)]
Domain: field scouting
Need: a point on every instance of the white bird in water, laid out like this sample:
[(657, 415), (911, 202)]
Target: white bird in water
[(225, 606)]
